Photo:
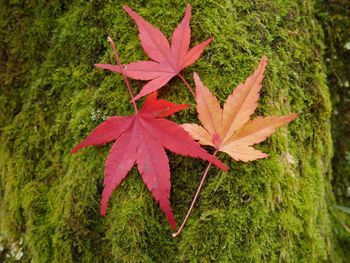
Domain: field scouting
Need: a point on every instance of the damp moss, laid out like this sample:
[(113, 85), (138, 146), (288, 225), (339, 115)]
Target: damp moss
[(336, 23), (269, 210)]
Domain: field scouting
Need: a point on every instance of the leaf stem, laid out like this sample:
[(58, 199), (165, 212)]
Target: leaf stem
[(187, 85), (194, 198), (122, 71)]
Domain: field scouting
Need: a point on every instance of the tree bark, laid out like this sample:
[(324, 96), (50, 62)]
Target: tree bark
[(276, 209)]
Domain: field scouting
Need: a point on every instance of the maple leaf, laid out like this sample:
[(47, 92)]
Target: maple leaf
[(141, 139), (230, 129), (168, 61)]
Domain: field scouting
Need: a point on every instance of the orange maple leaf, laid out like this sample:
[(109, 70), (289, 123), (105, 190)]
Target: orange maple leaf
[(230, 129)]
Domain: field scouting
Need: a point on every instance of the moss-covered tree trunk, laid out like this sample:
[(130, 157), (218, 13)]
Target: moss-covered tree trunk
[(270, 210), (335, 19)]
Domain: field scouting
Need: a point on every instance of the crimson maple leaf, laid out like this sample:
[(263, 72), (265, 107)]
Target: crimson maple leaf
[(168, 61), (141, 139)]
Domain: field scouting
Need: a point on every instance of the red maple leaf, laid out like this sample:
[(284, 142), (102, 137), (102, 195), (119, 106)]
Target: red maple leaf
[(168, 61), (141, 139)]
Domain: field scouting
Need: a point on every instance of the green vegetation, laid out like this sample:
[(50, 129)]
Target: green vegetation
[(335, 20), (277, 209)]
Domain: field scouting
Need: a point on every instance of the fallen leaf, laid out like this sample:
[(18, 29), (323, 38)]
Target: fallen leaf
[(168, 61), (141, 139), (230, 129)]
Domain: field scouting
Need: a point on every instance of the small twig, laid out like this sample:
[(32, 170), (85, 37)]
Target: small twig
[(187, 85), (122, 71), (195, 198)]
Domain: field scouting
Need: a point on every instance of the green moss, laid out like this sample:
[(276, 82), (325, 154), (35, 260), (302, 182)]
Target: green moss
[(53, 97), (336, 22)]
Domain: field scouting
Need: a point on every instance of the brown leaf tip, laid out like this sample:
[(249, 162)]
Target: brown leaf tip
[(264, 59), (292, 116)]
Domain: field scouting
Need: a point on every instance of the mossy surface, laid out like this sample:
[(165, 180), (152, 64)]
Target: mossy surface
[(335, 19), (272, 210)]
